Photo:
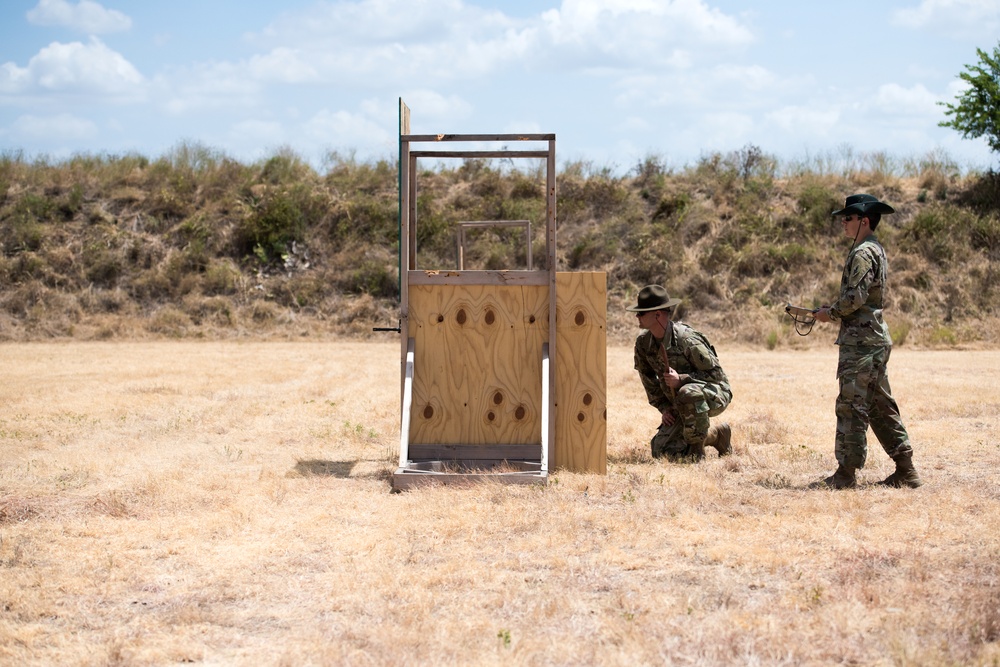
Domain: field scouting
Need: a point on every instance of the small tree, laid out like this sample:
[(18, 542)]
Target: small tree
[(977, 113)]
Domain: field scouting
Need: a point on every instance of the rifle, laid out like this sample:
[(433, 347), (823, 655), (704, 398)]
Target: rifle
[(802, 317)]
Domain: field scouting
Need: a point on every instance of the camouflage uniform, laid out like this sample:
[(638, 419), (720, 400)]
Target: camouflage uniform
[(865, 397), (704, 391)]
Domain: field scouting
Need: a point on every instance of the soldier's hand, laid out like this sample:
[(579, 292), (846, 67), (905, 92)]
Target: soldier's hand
[(668, 417), (672, 378), (823, 314)]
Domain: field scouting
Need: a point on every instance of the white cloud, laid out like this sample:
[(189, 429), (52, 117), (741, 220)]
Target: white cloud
[(726, 129), (60, 127), (85, 16), (259, 132), (437, 107), (401, 41), (343, 128), (209, 86), (804, 120), (392, 40), (954, 17), (642, 32), (74, 68), (283, 65), (915, 101), (748, 77)]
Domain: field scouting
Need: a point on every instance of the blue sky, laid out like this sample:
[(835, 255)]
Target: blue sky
[(615, 80)]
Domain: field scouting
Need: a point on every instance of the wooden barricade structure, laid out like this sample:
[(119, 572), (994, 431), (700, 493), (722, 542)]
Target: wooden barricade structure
[(462, 234), (503, 371)]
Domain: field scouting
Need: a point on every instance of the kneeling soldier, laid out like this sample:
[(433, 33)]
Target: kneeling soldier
[(683, 380)]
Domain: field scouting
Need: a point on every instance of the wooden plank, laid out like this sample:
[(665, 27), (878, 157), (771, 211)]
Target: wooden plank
[(404, 246), (552, 266), (425, 452), (412, 199), (478, 137), (477, 377), (404, 118), (481, 154), (479, 224), (581, 373), (474, 278)]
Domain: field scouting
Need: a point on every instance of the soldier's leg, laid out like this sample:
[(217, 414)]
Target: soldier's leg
[(669, 442), (692, 405), (858, 380), (886, 422), (888, 428)]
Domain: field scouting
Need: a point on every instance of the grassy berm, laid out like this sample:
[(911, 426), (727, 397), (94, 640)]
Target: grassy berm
[(194, 244)]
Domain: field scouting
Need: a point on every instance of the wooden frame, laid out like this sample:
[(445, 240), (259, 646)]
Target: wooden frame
[(490, 224), (497, 325)]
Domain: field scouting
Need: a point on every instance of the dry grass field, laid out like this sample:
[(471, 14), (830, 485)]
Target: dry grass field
[(229, 503)]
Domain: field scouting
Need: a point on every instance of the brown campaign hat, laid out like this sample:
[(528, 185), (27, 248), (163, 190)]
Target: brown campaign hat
[(653, 297), (862, 204)]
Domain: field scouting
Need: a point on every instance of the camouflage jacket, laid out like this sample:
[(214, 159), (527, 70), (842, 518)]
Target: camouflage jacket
[(859, 306), (689, 353)]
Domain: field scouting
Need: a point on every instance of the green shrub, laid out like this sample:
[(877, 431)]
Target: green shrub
[(942, 335), (672, 207), (169, 320), (930, 234), (270, 224), (102, 265), (898, 331), (221, 277), (815, 203), (985, 233), (72, 202), (374, 278)]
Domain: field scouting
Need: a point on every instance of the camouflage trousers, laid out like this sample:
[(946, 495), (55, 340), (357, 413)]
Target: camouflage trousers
[(694, 404), (866, 399)]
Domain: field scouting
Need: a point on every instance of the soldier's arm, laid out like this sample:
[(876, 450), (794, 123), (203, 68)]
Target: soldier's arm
[(704, 362), (860, 274), (651, 383)]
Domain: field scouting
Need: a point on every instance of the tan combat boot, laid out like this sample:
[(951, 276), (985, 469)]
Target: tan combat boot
[(842, 479), (721, 438), (905, 475), (696, 452)]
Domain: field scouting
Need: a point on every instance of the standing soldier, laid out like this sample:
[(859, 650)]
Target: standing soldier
[(865, 397), (683, 380)]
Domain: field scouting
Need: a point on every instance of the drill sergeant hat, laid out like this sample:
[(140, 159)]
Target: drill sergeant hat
[(652, 297), (862, 204)]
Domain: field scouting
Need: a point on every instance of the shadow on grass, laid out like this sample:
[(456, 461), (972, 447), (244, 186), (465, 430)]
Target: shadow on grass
[(321, 468)]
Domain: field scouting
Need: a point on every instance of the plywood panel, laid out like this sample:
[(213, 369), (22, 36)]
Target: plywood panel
[(581, 372), (478, 358)]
